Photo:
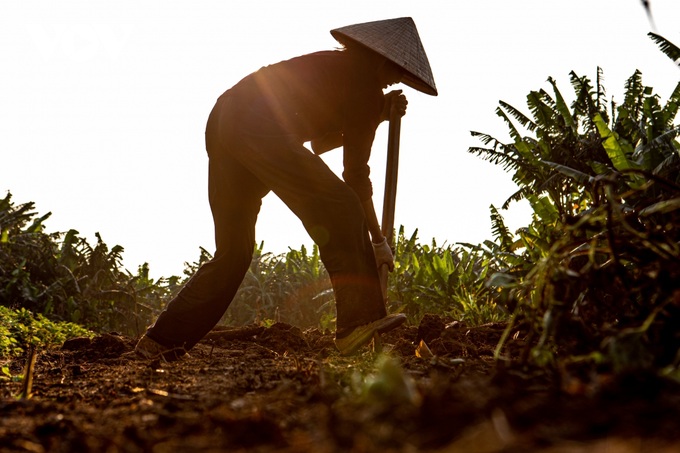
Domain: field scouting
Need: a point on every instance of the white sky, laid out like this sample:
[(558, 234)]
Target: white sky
[(103, 105)]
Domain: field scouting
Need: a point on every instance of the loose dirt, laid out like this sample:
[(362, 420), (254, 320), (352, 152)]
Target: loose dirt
[(282, 389)]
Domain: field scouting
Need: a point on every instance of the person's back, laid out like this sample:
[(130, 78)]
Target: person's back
[(315, 94)]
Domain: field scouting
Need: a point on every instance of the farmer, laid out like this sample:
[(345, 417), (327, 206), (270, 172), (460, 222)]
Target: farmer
[(255, 139)]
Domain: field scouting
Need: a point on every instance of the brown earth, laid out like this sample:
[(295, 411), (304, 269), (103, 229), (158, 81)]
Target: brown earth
[(281, 389)]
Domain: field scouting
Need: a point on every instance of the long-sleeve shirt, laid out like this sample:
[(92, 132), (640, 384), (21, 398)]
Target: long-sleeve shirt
[(316, 95)]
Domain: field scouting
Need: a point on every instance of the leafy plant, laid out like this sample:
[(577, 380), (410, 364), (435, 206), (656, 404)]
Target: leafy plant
[(20, 329), (65, 278), (595, 273), (671, 50), (444, 280)]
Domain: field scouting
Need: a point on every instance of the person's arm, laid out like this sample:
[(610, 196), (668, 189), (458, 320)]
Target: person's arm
[(356, 174), (372, 221), (392, 100), (358, 140), (381, 249)]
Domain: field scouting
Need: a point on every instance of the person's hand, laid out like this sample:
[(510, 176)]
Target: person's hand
[(383, 254), (394, 100)]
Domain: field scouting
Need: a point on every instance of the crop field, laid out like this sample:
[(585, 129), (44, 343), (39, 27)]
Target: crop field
[(558, 337)]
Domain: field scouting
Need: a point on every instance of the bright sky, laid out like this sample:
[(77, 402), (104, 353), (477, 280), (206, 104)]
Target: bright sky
[(103, 105)]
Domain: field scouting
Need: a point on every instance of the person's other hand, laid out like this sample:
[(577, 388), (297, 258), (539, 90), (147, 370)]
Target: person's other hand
[(394, 99), (383, 254)]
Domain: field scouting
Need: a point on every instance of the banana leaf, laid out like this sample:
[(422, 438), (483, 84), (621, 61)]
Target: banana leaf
[(662, 207), (578, 176)]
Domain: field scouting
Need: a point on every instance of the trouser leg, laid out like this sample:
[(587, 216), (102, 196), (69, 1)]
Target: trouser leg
[(332, 214), (235, 199)]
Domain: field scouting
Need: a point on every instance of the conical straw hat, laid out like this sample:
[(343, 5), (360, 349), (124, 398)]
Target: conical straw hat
[(398, 41)]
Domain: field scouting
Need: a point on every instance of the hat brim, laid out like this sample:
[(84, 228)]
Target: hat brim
[(409, 79), (398, 41)]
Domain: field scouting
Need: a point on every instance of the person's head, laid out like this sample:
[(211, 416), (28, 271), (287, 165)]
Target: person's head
[(389, 73)]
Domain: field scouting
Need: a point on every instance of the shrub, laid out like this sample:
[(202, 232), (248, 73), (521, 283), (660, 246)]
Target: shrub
[(63, 277), (595, 275), (20, 329)]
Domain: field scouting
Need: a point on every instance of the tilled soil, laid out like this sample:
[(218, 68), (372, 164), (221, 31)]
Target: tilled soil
[(283, 389)]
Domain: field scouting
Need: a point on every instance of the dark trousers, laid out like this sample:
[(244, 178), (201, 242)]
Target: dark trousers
[(249, 156)]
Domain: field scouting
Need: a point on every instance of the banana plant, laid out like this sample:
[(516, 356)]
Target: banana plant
[(604, 185), (448, 280)]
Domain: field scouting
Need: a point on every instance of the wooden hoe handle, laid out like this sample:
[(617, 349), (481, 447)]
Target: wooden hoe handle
[(390, 198)]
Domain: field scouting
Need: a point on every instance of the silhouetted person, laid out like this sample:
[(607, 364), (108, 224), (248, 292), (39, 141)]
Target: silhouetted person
[(255, 141)]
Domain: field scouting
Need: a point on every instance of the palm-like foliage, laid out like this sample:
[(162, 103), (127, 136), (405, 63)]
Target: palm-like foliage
[(571, 146), (26, 256), (604, 185), (562, 135), (667, 47), (66, 278)]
